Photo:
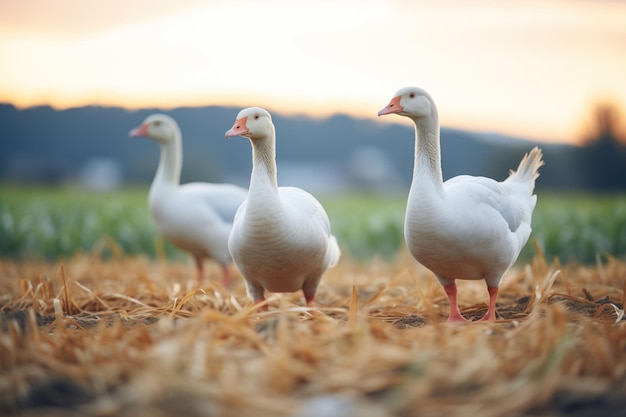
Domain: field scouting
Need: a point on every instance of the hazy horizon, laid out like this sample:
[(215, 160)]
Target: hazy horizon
[(530, 69)]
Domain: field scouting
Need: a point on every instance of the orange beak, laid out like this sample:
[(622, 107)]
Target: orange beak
[(139, 131), (394, 106), (239, 128)]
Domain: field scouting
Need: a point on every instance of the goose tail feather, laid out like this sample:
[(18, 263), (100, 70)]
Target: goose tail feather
[(333, 253), (528, 169)]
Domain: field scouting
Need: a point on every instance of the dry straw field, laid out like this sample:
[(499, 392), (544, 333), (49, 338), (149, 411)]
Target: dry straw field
[(132, 336)]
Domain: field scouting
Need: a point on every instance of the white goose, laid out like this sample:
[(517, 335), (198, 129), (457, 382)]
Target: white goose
[(468, 227), (281, 239), (196, 217)]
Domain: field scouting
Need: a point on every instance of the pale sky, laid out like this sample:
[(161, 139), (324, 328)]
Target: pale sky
[(526, 68)]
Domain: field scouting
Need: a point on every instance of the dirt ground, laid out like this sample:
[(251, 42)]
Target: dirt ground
[(135, 337)]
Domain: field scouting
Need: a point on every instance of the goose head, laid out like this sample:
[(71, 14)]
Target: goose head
[(252, 123), (158, 127), (411, 102)]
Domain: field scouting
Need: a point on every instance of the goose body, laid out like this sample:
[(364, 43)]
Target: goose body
[(195, 217), (467, 227), (281, 239)]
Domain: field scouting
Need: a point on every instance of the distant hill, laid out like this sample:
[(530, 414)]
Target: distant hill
[(44, 145)]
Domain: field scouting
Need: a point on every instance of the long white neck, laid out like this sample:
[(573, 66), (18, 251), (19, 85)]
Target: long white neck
[(263, 178), (170, 163), (427, 175)]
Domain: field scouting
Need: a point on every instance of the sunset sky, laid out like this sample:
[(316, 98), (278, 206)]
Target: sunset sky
[(527, 68)]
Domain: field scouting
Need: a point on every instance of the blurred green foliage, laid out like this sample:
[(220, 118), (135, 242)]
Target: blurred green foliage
[(59, 222)]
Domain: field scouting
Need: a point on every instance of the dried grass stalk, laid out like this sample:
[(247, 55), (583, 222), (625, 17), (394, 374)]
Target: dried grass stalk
[(135, 337)]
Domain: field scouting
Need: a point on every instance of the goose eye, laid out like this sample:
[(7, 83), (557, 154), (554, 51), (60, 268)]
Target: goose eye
[(256, 117), (412, 95), (157, 123)]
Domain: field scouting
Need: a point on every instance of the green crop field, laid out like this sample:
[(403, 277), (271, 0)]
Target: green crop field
[(60, 222)]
